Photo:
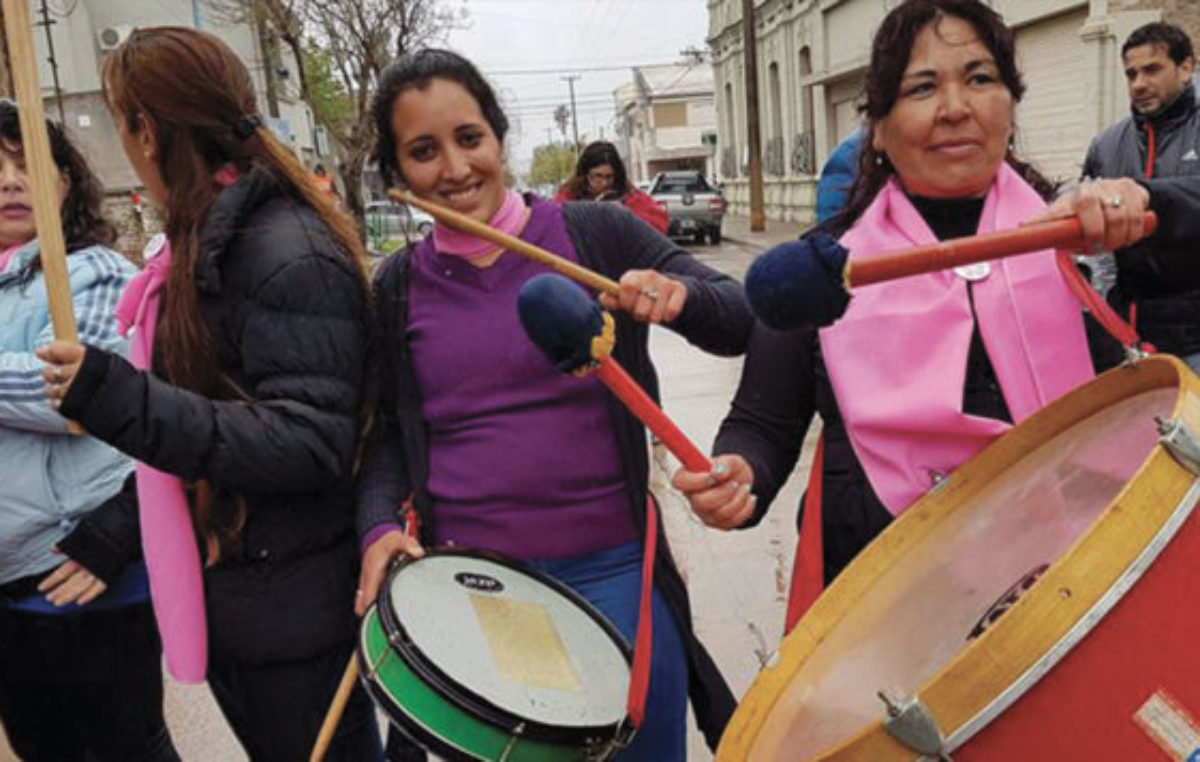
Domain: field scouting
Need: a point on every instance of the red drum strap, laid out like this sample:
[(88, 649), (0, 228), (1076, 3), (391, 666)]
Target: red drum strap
[(639, 681), (808, 573)]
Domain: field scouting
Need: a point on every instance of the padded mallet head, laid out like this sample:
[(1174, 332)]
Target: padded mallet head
[(560, 319), (799, 283)]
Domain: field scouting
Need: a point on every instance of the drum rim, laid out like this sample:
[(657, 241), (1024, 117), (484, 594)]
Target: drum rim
[(1160, 372), (471, 702)]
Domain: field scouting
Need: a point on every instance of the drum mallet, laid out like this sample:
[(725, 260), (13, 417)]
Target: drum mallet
[(465, 224), (573, 332), (808, 283)]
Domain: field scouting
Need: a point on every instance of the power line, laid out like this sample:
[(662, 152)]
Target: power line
[(572, 69)]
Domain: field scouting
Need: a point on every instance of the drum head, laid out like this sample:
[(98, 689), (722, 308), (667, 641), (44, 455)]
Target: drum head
[(956, 590), (517, 641)]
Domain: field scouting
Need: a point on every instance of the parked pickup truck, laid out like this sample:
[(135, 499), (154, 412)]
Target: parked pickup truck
[(694, 207)]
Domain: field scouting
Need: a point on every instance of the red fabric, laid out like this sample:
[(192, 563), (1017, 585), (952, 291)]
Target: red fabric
[(647, 209), (1150, 151), (1109, 319), (639, 680), (808, 572)]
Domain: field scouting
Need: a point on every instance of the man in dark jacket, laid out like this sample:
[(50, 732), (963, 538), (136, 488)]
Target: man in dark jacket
[(1158, 279)]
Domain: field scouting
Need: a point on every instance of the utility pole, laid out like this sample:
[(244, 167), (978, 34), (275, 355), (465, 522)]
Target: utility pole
[(570, 78), (46, 22), (758, 220)]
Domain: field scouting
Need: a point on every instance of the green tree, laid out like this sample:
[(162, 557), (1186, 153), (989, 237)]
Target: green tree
[(552, 164)]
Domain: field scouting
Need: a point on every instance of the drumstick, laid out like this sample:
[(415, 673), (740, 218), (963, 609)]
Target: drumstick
[(336, 708), (465, 224), (43, 173), (789, 286), (575, 335), (1059, 234)]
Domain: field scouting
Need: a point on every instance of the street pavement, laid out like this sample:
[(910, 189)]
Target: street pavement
[(737, 579)]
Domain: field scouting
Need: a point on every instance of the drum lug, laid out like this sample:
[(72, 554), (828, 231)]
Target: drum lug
[(1180, 441), (911, 723)]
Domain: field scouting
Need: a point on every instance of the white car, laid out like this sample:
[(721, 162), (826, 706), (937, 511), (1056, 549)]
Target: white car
[(388, 220)]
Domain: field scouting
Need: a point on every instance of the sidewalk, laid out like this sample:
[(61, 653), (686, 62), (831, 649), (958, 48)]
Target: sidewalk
[(737, 230)]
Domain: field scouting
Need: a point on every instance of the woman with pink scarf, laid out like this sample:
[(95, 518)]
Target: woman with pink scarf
[(921, 372), (243, 400)]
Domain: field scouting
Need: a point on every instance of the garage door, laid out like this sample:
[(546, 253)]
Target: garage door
[(1053, 117)]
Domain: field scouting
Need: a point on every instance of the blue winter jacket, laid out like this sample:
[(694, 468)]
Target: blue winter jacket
[(50, 479)]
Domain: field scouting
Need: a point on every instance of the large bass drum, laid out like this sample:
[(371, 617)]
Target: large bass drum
[(1042, 603)]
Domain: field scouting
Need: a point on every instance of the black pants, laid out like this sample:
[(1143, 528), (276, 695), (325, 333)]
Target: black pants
[(84, 686), (276, 709)]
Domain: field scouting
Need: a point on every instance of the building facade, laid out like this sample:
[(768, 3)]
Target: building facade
[(812, 57), (667, 120), (91, 28)]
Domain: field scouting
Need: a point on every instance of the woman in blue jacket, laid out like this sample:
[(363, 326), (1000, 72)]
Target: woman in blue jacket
[(80, 674)]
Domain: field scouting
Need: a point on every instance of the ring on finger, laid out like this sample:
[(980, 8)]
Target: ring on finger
[(58, 374), (1117, 201), (650, 293)]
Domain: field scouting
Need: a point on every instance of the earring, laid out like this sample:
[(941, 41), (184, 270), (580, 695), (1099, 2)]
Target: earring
[(879, 160)]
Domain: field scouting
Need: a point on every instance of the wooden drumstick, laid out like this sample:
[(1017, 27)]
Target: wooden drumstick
[(1064, 234), (809, 283), (465, 224), (336, 708)]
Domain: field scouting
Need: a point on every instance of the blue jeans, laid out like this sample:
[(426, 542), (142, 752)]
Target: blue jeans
[(611, 581)]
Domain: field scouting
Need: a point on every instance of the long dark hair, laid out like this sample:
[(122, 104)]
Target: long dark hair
[(597, 154), (84, 223), (417, 70), (890, 52), (198, 98)]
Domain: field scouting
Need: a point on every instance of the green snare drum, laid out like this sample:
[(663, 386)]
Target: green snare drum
[(478, 657)]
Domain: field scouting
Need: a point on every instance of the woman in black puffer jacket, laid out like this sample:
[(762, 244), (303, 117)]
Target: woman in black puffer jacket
[(254, 401)]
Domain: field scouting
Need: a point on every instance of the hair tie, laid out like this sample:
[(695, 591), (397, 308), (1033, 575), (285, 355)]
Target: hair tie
[(246, 126)]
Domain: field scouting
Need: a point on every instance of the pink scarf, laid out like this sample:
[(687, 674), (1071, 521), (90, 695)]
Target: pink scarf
[(7, 255), (897, 360), (510, 218), (168, 540)]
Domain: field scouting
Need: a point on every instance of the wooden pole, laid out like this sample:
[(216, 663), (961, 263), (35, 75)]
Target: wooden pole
[(336, 708), (43, 173), (758, 218)]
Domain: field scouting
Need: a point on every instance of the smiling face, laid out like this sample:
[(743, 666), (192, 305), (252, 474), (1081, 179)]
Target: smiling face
[(950, 126), (1154, 80), (17, 224), (446, 150)]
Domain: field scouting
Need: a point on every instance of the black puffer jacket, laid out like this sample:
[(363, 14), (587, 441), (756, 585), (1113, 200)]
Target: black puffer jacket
[(288, 314)]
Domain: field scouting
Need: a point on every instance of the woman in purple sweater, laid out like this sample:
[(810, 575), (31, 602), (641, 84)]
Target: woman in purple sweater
[(496, 449)]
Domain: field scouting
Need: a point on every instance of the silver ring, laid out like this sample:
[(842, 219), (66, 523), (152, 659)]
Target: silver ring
[(650, 293), (1117, 201), (58, 374)]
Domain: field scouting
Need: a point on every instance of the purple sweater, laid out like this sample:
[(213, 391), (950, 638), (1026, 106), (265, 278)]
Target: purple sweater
[(522, 458)]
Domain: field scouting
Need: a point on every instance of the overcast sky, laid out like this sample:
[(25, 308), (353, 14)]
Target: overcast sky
[(598, 40)]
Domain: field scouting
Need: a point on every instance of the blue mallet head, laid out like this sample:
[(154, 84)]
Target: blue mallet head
[(560, 319), (799, 283)]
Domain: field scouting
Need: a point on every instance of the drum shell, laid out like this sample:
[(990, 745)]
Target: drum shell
[(1095, 690), (450, 719)]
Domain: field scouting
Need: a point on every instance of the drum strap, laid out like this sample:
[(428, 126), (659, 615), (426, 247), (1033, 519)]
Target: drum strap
[(808, 566), (1120, 330), (639, 680)]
